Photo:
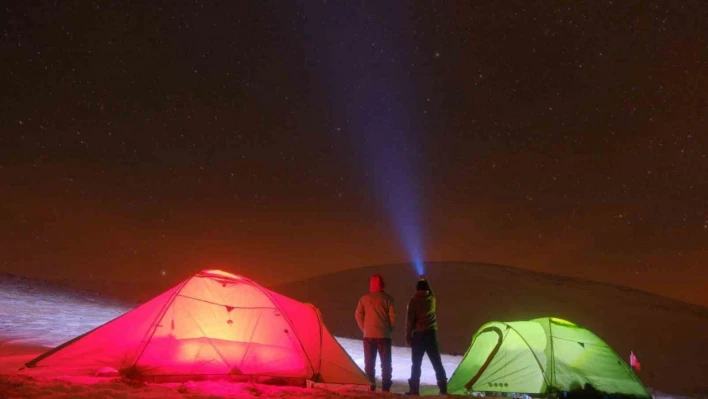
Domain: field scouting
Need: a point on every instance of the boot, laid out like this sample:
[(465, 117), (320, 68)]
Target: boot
[(414, 388), (386, 386), (442, 384)]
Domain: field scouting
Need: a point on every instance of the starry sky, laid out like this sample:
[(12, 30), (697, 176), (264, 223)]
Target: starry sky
[(144, 141)]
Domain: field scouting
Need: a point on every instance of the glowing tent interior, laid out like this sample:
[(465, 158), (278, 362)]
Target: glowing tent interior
[(214, 323), (541, 356)]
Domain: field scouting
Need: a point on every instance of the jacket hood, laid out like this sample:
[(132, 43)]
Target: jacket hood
[(422, 285), (376, 283)]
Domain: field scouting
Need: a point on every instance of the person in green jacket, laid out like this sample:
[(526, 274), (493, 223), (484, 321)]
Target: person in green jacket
[(422, 336), (376, 317)]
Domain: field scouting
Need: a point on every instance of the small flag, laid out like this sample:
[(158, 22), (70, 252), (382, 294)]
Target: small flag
[(634, 362)]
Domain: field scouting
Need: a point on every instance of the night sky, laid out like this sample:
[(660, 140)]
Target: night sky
[(142, 142)]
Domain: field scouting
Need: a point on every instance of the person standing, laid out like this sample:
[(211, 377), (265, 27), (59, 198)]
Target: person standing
[(422, 336), (376, 317)]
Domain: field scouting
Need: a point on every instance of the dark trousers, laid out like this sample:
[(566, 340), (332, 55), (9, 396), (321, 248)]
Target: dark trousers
[(383, 347), (424, 342)]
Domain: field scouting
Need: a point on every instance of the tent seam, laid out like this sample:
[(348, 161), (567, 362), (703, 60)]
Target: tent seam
[(158, 318), (543, 372), (287, 319)]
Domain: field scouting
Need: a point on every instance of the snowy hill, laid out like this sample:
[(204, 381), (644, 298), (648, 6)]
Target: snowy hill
[(669, 337), (42, 313)]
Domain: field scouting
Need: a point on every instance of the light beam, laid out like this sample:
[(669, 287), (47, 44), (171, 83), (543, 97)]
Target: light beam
[(373, 98)]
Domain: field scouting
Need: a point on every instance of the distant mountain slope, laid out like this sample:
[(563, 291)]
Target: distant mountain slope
[(43, 313), (669, 337)]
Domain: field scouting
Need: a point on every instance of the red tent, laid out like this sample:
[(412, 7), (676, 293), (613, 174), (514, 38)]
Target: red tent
[(214, 323)]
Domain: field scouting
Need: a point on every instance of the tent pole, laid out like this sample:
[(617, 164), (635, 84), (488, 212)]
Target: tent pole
[(553, 358)]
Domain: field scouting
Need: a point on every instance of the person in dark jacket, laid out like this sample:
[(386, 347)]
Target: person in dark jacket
[(376, 317), (422, 336)]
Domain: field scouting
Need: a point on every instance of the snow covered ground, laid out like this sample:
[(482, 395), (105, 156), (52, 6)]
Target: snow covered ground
[(17, 384)]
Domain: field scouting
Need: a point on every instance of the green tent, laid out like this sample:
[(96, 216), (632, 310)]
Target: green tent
[(541, 356)]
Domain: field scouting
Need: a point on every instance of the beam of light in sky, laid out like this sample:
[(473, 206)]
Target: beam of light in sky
[(374, 102)]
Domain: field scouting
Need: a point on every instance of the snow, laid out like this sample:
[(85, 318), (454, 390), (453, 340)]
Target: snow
[(31, 314), (401, 363), (15, 383), (21, 387)]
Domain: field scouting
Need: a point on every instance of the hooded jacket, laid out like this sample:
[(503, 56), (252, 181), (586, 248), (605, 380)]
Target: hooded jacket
[(421, 313), (375, 313)]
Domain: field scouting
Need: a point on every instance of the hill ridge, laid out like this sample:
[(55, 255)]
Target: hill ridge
[(700, 309)]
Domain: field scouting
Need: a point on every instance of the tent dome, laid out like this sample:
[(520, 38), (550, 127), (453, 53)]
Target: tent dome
[(541, 356), (214, 323)]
